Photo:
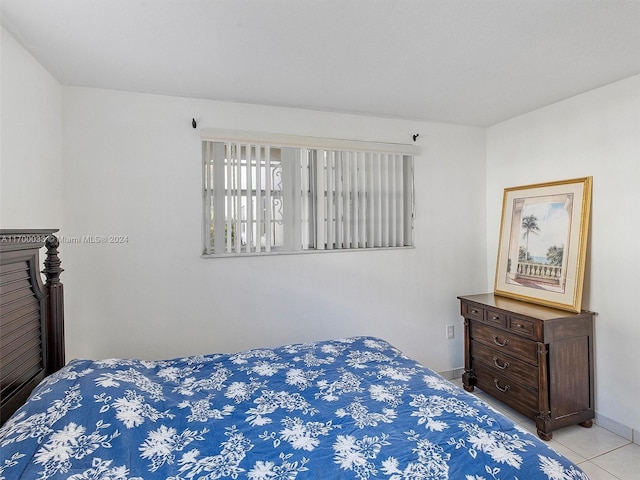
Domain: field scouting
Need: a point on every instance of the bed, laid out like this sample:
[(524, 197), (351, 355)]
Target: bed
[(31, 314), (349, 408)]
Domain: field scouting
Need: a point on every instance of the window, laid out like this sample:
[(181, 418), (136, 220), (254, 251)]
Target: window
[(303, 195)]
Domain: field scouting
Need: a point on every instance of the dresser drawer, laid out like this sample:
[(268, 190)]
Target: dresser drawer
[(508, 391), (495, 318), (522, 326), (503, 364), (506, 342), (472, 311)]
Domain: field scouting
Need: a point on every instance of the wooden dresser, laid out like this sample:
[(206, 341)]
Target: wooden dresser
[(536, 359)]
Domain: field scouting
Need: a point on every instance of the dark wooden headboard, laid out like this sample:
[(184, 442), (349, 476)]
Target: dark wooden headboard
[(31, 315)]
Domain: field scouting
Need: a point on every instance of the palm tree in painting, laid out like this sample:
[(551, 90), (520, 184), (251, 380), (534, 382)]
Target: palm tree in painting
[(554, 255), (529, 225)]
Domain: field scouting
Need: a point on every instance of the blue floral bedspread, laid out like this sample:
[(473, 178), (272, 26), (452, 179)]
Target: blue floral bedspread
[(354, 408)]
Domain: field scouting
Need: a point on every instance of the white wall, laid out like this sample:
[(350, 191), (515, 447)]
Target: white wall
[(133, 168), (598, 134), (30, 141)]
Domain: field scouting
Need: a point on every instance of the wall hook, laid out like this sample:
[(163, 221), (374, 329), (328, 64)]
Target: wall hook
[(415, 136), (193, 123)]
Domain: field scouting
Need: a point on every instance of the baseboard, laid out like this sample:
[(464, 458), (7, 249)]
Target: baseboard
[(451, 374), (618, 428)]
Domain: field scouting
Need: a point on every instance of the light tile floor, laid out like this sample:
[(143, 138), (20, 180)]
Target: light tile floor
[(601, 454)]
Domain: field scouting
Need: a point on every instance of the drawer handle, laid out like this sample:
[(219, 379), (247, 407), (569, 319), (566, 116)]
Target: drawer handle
[(495, 317), (474, 311), (500, 344), (502, 389), (501, 367), (519, 325)]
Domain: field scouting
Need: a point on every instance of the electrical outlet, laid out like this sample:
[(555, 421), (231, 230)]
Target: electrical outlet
[(451, 331)]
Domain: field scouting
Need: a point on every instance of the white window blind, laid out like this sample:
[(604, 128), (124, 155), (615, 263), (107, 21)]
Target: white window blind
[(263, 197)]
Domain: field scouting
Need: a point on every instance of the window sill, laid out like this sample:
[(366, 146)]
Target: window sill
[(303, 252)]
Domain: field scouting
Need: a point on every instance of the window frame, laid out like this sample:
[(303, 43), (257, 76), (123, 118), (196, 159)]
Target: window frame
[(244, 140)]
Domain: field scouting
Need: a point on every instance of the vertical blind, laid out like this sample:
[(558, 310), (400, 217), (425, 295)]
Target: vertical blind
[(261, 198)]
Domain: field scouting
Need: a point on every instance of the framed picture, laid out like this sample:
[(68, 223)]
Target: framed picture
[(543, 243)]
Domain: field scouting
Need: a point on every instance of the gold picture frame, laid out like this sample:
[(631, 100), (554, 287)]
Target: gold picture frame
[(543, 243)]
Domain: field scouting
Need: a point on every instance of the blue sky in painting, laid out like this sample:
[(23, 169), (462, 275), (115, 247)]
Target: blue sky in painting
[(553, 221)]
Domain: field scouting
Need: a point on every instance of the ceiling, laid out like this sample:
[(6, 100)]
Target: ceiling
[(469, 62)]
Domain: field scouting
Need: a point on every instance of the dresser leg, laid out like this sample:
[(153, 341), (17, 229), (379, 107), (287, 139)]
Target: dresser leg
[(468, 381), (545, 436), (587, 423), (543, 426)]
